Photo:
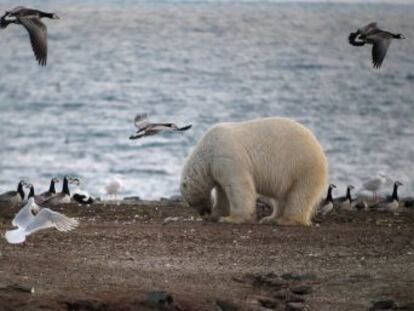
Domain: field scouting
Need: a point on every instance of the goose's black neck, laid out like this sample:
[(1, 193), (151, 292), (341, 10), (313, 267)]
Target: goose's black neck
[(52, 188), (395, 192), (20, 190), (348, 194), (329, 196), (31, 193), (65, 187)]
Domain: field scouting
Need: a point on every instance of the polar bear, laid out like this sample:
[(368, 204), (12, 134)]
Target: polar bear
[(275, 157)]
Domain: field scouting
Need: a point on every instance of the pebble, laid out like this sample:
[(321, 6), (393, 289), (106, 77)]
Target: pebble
[(159, 298), (302, 290), (383, 305), (298, 277), (294, 306)]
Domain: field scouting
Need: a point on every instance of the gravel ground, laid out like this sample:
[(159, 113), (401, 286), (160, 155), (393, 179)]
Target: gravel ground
[(122, 254)]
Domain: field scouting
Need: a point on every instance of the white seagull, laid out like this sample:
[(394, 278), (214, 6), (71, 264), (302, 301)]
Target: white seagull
[(375, 184), (145, 128), (32, 218), (113, 186)]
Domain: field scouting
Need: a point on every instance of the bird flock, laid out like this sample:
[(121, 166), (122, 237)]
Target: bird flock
[(32, 216), (390, 203), (30, 19)]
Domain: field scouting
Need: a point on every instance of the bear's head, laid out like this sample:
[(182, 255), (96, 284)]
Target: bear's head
[(194, 200)]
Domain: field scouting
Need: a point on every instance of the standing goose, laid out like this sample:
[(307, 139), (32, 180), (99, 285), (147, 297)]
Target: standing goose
[(64, 195), (40, 198), (12, 199), (379, 39), (345, 203), (390, 204), (31, 20), (326, 205), (145, 128)]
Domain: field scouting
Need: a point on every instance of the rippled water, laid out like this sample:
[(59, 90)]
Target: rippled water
[(200, 63)]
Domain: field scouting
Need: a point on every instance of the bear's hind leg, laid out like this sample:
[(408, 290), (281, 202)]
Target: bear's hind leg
[(241, 194), (298, 209)]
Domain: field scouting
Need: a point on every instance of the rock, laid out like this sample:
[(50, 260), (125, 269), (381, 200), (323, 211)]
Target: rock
[(407, 307), (268, 302), (159, 298), (294, 306), (383, 305), (222, 305), (299, 277), (302, 290)]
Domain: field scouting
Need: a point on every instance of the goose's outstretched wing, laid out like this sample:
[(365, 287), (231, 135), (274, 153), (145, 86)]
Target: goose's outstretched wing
[(38, 37), (379, 50), (367, 28), (47, 218), (140, 122)]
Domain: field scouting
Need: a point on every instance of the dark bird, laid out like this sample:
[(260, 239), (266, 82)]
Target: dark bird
[(345, 202), (40, 198), (13, 198), (145, 128), (82, 198), (390, 204), (31, 20), (380, 40), (64, 195), (326, 205)]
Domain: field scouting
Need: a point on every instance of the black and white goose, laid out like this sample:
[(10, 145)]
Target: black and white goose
[(390, 204), (14, 198), (326, 205), (40, 198), (345, 202), (32, 218), (82, 196), (64, 195), (145, 128), (31, 20), (379, 39)]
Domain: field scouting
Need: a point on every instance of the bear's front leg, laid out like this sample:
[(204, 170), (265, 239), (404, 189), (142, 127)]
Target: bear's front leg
[(241, 195)]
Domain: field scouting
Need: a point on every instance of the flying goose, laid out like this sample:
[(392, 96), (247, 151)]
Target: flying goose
[(345, 203), (390, 204), (64, 195), (40, 198), (379, 39), (145, 128), (31, 20), (32, 218), (326, 205), (12, 199)]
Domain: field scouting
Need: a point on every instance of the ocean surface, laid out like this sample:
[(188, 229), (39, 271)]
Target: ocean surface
[(200, 62)]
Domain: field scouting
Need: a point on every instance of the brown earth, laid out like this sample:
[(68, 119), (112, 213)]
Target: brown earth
[(121, 253)]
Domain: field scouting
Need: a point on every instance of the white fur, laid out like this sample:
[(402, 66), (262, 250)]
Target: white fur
[(275, 157)]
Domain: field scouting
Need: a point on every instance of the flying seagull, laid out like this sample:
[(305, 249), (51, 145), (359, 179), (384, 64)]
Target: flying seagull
[(145, 128), (380, 40), (31, 20), (32, 218)]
